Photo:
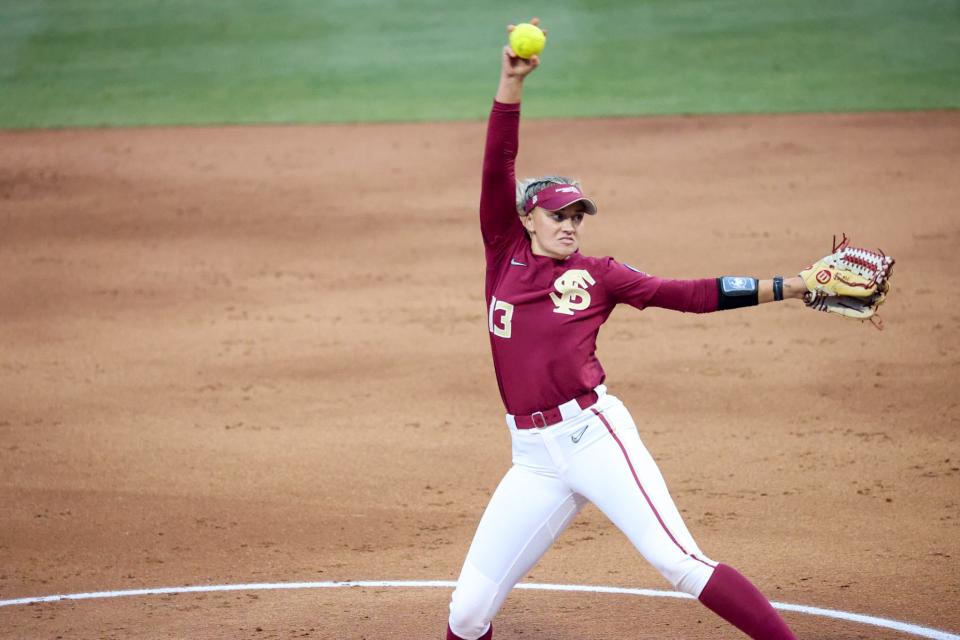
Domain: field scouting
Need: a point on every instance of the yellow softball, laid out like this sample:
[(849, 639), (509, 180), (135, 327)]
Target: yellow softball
[(527, 40)]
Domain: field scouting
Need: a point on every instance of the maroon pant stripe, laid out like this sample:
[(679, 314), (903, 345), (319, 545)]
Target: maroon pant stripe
[(636, 478)]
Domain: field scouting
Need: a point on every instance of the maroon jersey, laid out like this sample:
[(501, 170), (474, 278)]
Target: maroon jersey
[(544, 314)]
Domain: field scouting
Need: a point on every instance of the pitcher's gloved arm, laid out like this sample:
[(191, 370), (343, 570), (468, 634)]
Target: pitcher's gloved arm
[(727, 292)]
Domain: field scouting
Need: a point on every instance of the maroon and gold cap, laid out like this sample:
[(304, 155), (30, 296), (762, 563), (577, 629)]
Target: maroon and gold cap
[(558, 196)]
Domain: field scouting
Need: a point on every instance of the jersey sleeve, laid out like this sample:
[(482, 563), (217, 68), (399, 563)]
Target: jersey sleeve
[(629, 285), (499, 221), (641, 290)]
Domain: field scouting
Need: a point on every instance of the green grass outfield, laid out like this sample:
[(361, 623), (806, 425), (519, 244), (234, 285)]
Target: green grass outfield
[(133, 62)]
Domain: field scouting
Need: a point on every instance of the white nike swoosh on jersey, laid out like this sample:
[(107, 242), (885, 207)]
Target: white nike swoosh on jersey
[(517, 264)]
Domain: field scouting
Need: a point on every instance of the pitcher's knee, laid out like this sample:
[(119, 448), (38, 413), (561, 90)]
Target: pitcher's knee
[(688, 574), (471, 607), (467, 629), (453, 636)]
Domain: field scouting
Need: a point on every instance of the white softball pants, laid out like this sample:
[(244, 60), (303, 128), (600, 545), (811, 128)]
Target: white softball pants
[(594, 455)]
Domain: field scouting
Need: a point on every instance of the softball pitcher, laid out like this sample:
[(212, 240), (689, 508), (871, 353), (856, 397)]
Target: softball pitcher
[(573, 442)]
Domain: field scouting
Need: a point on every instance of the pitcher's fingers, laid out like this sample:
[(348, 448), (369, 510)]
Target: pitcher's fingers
[(536, 22)]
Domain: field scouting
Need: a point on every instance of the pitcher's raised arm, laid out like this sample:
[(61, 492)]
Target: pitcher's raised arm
[(498, 212)]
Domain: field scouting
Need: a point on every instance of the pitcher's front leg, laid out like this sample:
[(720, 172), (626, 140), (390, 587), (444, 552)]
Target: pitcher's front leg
[(620, 476)]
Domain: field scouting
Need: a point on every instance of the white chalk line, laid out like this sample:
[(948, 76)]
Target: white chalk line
[(896, 625)]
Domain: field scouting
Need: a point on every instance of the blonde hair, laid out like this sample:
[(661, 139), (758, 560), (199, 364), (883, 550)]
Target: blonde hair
[(530, 186)]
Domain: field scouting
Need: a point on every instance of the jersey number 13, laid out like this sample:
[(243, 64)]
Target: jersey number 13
[(500, 317)]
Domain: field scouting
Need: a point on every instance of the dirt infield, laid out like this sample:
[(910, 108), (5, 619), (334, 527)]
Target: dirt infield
[(260, 355)]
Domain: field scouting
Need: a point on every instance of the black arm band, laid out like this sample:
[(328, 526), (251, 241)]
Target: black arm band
[(777, 288), (736, 291)]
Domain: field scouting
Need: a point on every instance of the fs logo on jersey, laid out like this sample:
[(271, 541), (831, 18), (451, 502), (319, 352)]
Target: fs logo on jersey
[(572, 291)]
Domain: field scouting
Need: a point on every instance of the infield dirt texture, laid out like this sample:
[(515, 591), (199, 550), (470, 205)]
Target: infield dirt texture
[(259, 353)]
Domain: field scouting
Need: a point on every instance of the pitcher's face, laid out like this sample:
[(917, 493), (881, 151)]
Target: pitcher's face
[(555, 234)]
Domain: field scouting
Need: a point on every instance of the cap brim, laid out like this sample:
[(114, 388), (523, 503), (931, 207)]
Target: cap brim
[(556, 203)]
